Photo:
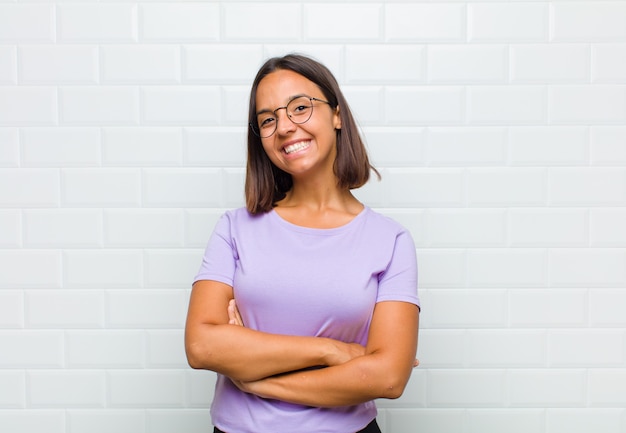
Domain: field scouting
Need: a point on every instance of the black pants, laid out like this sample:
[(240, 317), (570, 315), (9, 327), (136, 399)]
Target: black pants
[(370, 428)]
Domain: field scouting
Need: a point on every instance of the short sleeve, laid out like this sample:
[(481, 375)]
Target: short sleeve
[(399, 281), (219, 260)]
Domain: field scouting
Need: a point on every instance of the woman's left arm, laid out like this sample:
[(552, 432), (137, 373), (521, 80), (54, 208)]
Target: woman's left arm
[(382, 372)]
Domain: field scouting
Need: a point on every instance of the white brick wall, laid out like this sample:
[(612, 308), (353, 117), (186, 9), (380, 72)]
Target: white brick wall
[(500, 131)]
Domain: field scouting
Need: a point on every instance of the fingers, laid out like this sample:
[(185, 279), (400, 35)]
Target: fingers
[(234, 318), (416, 362)]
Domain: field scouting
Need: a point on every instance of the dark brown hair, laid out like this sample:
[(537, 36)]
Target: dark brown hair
[(265, 183)]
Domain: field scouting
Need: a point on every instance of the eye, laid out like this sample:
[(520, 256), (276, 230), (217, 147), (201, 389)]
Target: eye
[(300, 108), (266, 122)]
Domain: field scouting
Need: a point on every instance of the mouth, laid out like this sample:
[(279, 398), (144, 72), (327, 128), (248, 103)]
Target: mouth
[(295, 147)]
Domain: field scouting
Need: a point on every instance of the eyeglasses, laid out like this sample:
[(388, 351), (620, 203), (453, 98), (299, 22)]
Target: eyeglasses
[(299, 110)]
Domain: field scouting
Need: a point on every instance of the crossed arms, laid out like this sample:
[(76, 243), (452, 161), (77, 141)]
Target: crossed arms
[(271, 365)]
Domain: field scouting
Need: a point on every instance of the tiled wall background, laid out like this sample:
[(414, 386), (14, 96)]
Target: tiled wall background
[(500, 130)]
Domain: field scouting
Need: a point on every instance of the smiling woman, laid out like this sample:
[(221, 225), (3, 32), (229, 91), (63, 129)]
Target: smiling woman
[(306, 300)]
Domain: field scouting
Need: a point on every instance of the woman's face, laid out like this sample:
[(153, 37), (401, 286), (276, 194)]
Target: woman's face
[(303, 149)]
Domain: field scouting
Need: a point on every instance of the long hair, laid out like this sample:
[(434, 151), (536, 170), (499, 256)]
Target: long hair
[(265, 183)]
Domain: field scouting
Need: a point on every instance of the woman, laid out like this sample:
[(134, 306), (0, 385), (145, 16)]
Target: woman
[(306, 301)]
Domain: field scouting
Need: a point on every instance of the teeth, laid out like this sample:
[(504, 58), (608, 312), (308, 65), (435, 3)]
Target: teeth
[(296, 146)]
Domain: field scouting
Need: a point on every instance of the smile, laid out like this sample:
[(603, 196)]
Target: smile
[(291, 148)]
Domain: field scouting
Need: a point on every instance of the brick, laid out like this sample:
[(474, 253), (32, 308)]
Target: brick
[(549, 145), (199, 385), (11, 309), (590, 267), (406, 187), (171, 269), (8, 65), (234, 184), (186, 188), (558, 63), (26, 23), (64, 309), (467, 64), (12, 390), (607, 228), (53, 228), (146, 388), (58, 64), (198, 22), (410, 106), (516, 420), (18, 266), (31, 349), (462, 388), (221, 64), (214, 147), (87, 269), (603, 348), (370, 63), (587, 186), (174, 421), (442, 268), (581, 420), (366, 103), (97, 22), (29, 420), (395, 147), (464, 309), (38, 106), (143, 227), (184, 105), (165, 349), (548, 227), (507, 268), (441, 348), (9, 147), (548, 309), (510, 186), (10, 229), (466, 146), (513, 22), (199, 224), (606, 387), (49, 389), (418, 22), (61, 147), (101, 187), (515, 105), (106, 420), (235, 101), (102, 105), (606, 307), (331, 55), (141, 64), (608, 145), (470, 227), (267, 21), (106, 349), (506, 348), (547, 388), (142, 146), (155, 309), (29, 187), (608, 63), (442, 420), (364, 24), (598, 104), (588, 21)]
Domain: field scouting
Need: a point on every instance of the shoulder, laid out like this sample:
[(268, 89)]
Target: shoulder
[(381, 222)]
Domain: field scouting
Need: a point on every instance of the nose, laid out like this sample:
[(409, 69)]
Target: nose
[(284, 125)]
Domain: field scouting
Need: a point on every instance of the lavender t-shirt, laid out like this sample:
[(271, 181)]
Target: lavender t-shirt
[(295, 280)]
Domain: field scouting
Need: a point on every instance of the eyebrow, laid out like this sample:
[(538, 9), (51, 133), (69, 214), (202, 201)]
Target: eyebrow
[(291, 98)]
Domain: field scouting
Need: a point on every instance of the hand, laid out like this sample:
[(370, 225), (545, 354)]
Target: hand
[(234, 318)]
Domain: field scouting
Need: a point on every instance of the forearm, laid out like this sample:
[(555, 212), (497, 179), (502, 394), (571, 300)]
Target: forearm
[(362, 379), (249, 355)]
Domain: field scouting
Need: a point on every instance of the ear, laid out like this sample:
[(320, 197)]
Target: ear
[(337, 119)]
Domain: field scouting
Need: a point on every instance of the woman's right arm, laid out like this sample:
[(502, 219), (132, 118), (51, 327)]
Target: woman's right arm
[(211, 343)]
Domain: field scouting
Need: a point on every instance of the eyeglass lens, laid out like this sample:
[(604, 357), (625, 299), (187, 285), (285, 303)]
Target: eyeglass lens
[(299, 111)]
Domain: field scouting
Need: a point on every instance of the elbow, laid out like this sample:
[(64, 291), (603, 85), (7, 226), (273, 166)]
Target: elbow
[(196, 356), (393, 390)]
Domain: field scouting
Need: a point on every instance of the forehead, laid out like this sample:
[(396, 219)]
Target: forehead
[(278, 87)]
